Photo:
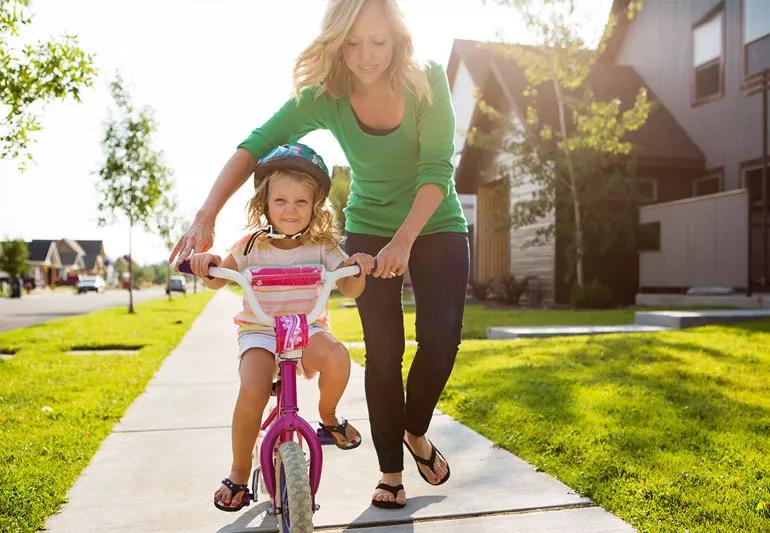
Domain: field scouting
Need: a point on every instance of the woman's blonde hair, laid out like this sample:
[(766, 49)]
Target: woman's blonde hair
[(320, 230), (321, 64)]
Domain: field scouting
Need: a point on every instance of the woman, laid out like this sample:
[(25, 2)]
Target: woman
[(395, 123)]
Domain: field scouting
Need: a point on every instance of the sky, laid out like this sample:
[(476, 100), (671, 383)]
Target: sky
[(212, 71)]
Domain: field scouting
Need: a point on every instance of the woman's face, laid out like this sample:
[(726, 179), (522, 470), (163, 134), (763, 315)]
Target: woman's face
[(289, 204), (368, 48)]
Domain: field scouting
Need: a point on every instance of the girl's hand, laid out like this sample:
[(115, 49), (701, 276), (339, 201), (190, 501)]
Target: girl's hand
[(198, 238), (200, 263), (393, 259), (364, 261)]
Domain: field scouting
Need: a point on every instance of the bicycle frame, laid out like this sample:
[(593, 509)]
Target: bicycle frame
[(284, 422)]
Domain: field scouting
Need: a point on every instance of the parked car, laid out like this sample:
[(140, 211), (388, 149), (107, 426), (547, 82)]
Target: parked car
[(176, 284), (90, 283)]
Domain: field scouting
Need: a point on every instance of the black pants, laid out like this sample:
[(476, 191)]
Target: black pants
[(438, 267)]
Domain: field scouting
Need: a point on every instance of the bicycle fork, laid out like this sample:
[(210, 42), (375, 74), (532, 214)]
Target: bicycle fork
[(286, 423)]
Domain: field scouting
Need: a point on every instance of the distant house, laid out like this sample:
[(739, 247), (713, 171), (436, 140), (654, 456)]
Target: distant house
[(44, 262), (96, 261), (72, 259), (697, 153)]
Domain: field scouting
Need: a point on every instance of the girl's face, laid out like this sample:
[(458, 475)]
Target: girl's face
[(289, 204), (368, 48)]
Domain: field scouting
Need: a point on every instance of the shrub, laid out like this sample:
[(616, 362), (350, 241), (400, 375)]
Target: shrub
[(535, 294), (594, 295), (480, 289), (511, 289)]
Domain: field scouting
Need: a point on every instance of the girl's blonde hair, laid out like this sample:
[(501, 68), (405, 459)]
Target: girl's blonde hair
[(320, 230), (321, 64)]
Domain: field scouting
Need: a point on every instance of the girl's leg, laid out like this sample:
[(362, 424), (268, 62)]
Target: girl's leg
[(383, 323), (331, 360), (256, 371), (438, 268)]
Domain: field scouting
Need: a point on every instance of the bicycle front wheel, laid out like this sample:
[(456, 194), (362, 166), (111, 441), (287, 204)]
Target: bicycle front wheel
[(292, 490)]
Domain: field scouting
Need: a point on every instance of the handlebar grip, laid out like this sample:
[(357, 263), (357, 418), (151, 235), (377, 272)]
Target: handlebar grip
[(185, 267)]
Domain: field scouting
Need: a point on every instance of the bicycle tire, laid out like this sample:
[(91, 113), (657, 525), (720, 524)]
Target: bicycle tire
[(292, 490)]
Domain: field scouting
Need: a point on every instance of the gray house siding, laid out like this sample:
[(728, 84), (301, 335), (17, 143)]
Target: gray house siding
[(659, 46)]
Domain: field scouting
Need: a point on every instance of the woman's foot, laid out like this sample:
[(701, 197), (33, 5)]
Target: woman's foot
[(422, 448), (344, 434), (224, 495), (383, 495)]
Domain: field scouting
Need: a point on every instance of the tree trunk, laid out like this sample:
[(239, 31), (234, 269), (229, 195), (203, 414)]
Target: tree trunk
[(130, 272), (579, 243)]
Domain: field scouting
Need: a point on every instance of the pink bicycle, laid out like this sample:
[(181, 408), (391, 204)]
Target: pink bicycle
[(282, 460)]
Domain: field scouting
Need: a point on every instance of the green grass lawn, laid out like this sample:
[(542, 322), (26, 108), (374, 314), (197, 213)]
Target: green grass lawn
[(670, 430), (55, 408), (478, 317)]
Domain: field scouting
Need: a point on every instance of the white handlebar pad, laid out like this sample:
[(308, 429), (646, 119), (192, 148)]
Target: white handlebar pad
[(330, 278)]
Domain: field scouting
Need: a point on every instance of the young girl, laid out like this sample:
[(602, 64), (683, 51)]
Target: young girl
[(291, 188)]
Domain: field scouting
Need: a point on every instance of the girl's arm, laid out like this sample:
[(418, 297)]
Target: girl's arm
[(353, 287), (201, 263)]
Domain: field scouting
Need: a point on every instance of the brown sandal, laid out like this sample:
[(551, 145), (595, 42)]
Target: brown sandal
[(333, 431)]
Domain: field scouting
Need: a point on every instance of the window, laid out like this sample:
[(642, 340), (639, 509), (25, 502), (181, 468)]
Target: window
[(648, 237), (752, 179), (648, 190), (708, 53), (756, 37), (707, 185)]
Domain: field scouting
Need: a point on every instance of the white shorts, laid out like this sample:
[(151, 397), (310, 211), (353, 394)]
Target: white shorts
[(266, 341)]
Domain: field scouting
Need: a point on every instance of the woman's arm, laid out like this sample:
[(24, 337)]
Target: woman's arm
[(394, 256), (200, 236), (291, 122), (436, 123)]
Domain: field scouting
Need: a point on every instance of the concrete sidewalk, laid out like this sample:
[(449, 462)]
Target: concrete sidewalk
[(159, 468)]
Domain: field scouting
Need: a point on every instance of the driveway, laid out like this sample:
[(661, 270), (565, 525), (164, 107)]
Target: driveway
[(39, 308)]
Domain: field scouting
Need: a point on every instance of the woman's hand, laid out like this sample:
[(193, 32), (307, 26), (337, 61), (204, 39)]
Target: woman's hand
[(199, 237), (364, 261), (200, 263), (393, 259)]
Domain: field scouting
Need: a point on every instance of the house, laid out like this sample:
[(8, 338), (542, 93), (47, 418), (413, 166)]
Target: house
[(95, 259), (682, 154), (72, 260), (706, 62), (44, 262)]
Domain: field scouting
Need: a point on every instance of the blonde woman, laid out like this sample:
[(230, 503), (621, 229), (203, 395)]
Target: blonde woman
[(395, 123)]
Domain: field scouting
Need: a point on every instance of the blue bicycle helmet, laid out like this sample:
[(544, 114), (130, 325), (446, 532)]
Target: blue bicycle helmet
[(297, 157)]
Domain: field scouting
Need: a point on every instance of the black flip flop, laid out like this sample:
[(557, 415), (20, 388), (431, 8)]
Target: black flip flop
[(234, 489), (340, 430), (430, 463), (384, 504)]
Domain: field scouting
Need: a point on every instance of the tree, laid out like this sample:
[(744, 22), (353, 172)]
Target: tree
[(339, 192), (134, 179), (582, 158), (13, 258), (169, 225), (33, 74)]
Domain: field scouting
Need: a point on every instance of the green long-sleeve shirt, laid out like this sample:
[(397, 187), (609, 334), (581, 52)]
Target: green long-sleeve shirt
[(387, 170)]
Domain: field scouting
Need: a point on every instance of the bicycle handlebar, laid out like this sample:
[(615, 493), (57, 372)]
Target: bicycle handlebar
[(329, 279)]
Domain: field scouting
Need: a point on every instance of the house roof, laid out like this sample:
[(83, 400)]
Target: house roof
[(93, 249), (660, 142), (70, 251), (43, 251)]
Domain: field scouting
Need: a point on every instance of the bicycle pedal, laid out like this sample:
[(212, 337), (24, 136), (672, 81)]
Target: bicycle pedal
[(324, 437)]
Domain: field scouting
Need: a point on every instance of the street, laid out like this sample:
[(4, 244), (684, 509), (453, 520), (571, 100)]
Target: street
[(39, 308)]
